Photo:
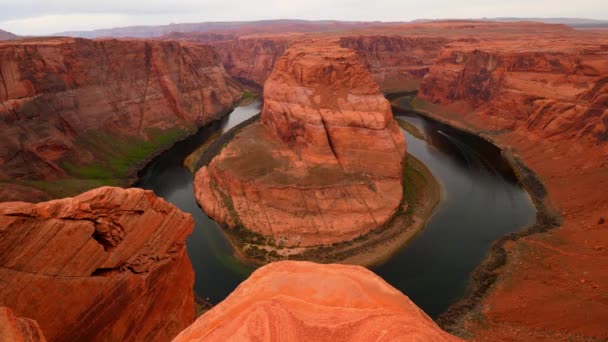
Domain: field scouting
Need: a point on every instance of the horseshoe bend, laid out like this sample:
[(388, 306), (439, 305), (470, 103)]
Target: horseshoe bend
[(293, 180)]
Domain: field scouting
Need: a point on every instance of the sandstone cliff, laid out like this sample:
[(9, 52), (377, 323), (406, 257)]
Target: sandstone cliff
[(18, 329), (545, 100), (302, 301), (109, 264), (397, 63), (76, 108), (551, 89), (252, 59), (325, 163)]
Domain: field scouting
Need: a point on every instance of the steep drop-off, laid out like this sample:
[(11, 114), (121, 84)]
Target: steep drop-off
[(397, 63), (252, 58), (545, 100), (302, 301), (107, 265), (325, 163), (83, 109)]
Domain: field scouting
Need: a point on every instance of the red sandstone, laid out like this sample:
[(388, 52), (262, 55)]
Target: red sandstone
[(109, 264), (302, 301), (325, 163)]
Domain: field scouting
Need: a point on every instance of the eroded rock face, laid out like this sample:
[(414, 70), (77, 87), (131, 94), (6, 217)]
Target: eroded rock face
[(77, 108), (18, 329), (324, 165), (397, 63), (302, 301), (109, 264), (253, 58), (544, 98), (552, 89)]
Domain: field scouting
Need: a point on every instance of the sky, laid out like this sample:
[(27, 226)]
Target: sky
[(39, 17)]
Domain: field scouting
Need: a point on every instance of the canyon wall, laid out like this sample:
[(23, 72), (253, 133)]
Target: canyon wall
[(302, 301), (397, 63), (107, 265), (83, 109), (550, 90), (18, 329), (325, 163), (253, 58), (544, 100)]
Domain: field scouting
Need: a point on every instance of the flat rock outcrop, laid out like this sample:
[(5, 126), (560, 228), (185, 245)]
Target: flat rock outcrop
[(109, 264), (325, 163), (18, 329), (303, 301), (84, 109), (545, 100)]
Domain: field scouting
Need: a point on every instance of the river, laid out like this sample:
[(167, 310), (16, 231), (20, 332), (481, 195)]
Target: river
[(481, 201)]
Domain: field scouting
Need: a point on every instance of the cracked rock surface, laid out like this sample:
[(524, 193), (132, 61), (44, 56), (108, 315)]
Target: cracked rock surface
[(109, 264)]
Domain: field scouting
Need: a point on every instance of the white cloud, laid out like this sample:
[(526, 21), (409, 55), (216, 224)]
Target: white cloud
[(50, 16)]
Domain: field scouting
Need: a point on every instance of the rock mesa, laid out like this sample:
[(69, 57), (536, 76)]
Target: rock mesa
[(325, 163), (109, 264)]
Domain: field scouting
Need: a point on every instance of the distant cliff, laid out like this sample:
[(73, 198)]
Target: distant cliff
[(83, 109)]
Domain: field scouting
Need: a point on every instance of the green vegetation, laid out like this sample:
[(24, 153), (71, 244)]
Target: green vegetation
[(115, 157)]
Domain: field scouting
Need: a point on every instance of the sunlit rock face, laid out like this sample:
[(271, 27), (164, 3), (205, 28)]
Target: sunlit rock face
[(323, 165), (109, 264), (303, 301)]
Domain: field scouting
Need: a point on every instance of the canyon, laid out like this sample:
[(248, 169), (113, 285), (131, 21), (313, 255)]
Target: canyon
[(545, 101), (78, 114), (109, 264), (93, 111), (324, 164)]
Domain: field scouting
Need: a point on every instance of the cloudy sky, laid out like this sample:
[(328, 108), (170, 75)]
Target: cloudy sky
[(50, 16)]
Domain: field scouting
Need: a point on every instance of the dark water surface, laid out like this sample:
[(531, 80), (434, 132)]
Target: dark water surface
[(481, 201)]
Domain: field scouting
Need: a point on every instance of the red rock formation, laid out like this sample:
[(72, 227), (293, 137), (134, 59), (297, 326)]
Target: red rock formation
[(302, 301), (18, 329), (76, 108), (325, 163), (252, 58), (397, 63), (109, 264), (545, 99)]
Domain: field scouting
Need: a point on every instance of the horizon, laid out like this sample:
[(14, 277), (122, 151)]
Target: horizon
[(33, 17)]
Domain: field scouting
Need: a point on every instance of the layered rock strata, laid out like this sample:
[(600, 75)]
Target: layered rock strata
[(109, 264), (296, 301), (18, 329), (545, 100), (397, 63), (77, 108), (325, 163)]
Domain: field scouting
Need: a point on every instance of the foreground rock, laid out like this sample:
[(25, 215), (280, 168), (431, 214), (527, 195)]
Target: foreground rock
[(93, 110), (18, 329), (545, 99), (109, 264), (302, 301), (325, 163)]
